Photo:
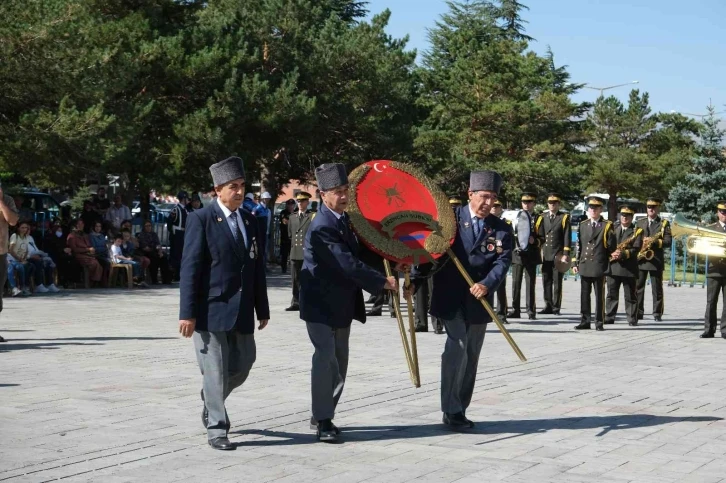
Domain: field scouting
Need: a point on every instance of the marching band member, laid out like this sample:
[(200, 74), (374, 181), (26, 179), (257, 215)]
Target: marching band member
[(656, 237), (526, 257), (716, 282), (554, 231), (624, 268), (595, 244)]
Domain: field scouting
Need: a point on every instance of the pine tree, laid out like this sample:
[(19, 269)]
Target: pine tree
[(511, 20), (697, 195), (489, 102)]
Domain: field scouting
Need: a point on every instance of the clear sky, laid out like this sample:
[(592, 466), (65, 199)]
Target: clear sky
[(676, 49)]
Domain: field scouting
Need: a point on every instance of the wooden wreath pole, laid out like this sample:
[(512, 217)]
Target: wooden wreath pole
[(488, 307), (412, 366)]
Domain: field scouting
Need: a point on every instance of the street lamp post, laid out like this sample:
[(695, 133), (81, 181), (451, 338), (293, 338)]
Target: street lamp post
[(603, 89)]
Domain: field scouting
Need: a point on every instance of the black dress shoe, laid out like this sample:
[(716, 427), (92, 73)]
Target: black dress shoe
[(374, 313), (608, 322), (555, 311), (457, 420), (706, 335), (439, 330), (292, 308), (514, 315), (583, 326), (546, 310), (221, 443), (632, 324), (422, 329), (599, 326), (327, 432), (657, 318), (314, 425)]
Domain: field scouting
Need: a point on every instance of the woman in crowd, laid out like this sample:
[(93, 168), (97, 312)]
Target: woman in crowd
[(69, 270), (19, 253), (84, 253), (99, 243)]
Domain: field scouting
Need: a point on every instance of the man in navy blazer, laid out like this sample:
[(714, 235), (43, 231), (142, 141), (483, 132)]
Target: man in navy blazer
[(483, 244), (331, 280), (222, 286)]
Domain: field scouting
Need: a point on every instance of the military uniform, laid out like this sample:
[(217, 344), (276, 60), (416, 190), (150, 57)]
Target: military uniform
[(285, 242), (624, 271), (716, 284), (661, 229), (176, 225), (595, 243), (525, 259), (555, 236), (297, 227)]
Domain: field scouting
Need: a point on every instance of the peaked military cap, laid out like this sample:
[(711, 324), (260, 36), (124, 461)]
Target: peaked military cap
[(529, 196), (553, 197), (303, 195), (595, 201), (627, 210)]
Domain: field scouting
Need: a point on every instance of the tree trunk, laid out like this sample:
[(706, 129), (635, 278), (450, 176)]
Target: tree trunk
[(613, 206)]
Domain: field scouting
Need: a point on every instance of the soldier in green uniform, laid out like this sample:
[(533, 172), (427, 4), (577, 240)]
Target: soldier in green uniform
[(526, 256), (297, 227), (716, 282), (285, 242), (554, 233), (624, 268), (595, 243), (656, 237), (497, 211)]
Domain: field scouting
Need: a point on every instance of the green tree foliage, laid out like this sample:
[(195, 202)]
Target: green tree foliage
[(634, 152), (705, 184), (156, 91), (489, 102)]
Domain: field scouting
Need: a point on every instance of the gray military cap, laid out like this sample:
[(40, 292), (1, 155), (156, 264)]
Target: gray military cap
[(485, 181), (228, 170), (330, 175)]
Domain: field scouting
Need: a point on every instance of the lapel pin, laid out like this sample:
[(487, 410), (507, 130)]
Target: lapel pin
[(219, 219), (466, 224)]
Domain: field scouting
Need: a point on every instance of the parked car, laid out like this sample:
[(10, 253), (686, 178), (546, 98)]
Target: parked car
[(41, 206), (136, 208)]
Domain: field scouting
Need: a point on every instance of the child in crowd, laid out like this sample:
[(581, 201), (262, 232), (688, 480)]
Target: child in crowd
[(119, 258)]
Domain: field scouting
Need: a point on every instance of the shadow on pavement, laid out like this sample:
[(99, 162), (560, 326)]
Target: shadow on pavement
[(511, 429), (25, 344)]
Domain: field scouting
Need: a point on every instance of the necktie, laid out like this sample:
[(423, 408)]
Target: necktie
[(594, 224), (477, 226), (236, 231)]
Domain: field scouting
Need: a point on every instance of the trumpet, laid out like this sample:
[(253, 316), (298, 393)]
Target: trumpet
[(646, 252), (624, 244)]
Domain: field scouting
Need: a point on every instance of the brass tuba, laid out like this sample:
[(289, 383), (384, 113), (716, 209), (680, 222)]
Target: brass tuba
[(701, 240)]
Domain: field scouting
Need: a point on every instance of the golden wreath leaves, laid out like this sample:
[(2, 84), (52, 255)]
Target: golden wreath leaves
[(436, 243)]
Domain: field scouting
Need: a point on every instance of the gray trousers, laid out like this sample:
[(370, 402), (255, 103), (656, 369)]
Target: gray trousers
[(225, 359), (459, 363), (330, 366)]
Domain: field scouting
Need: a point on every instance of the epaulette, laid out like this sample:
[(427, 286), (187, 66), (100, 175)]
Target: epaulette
[(584, 221)]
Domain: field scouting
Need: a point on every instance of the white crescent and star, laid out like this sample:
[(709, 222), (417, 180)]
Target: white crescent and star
[(375, 167)]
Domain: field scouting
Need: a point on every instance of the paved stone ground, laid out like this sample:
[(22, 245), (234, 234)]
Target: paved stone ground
[(97, 386)]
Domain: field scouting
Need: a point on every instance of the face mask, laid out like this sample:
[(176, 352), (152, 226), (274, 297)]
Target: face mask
[(59, 233)]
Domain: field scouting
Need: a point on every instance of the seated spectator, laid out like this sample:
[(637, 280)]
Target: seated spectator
[(150, 247), (90, 216), (99, 242), (19, 248), (118, 257), (69, 270), (24, 271), (44, 269), (84, 253), (130, 248)]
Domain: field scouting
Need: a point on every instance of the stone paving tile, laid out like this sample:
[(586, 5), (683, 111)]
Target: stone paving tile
[(96, 386)]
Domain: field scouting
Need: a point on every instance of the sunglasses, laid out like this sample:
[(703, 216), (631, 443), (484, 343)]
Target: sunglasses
[(594, 206), (723, 212), (651, 207)]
